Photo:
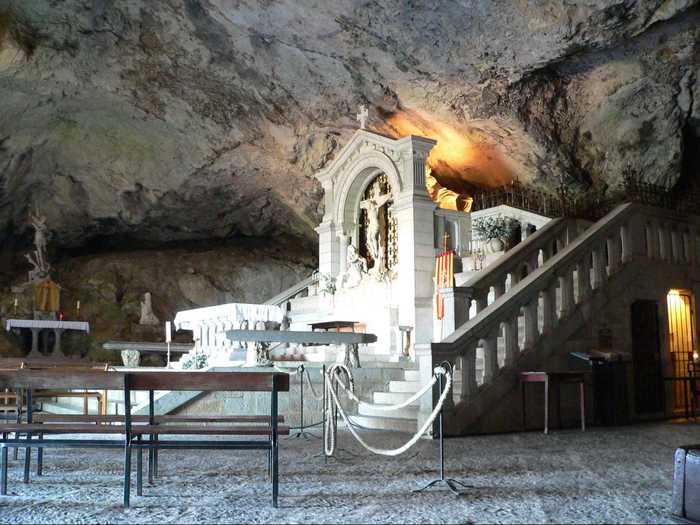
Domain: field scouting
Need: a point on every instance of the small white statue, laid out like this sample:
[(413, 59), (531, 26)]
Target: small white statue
[(355, 270), (38, 259), (147, 315)]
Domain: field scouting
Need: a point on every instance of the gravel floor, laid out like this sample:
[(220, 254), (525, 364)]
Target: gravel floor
[(608, 475)]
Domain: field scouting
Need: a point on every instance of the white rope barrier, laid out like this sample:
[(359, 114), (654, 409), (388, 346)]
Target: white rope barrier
[(333, 408), (388, 408)]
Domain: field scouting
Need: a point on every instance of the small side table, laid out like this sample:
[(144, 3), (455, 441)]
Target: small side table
[(556, 378)]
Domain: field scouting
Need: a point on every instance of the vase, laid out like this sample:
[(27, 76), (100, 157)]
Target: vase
[(131, 358), (496, 245)]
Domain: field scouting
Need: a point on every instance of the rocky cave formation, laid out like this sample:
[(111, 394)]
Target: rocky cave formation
[(175, 141)]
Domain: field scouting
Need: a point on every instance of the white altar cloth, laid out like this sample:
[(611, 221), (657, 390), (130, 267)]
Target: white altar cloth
[(41, 324), (230, 315)]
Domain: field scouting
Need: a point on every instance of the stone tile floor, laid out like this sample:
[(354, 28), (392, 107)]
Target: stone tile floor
[(610, 475)]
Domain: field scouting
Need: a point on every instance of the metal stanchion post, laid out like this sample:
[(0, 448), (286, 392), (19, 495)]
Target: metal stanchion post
[(452, 484), (302, 433)]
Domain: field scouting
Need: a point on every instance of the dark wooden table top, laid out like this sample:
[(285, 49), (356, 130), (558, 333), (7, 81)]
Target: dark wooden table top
[(325, 325)]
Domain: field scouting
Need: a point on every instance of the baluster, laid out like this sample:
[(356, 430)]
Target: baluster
[(566, 283), (511, 339), (653, 241), (598, 266), (675, 247), (664, 243), (490, 345), (626, 243), (469, 384), (531, 332), (549, 305), (546, 253), (613, 254), (583, 270), (688, 240)]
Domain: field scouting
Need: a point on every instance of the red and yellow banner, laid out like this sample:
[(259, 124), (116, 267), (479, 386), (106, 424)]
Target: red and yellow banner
[(444, 278)]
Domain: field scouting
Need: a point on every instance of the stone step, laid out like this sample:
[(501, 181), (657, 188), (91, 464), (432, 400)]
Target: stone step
[(386, 423), (392, 398), (409, 412), (411, 375), (404, 386)]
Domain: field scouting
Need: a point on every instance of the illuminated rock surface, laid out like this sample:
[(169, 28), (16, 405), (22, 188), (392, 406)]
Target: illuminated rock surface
[(168, 120)]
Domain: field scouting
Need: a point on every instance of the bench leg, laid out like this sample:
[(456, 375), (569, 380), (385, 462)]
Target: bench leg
[(40, 459), (139, 469), (3, 470), (275, 473), (150, 464), (127, 474), (27, 460), (582, 393), (155, 460)]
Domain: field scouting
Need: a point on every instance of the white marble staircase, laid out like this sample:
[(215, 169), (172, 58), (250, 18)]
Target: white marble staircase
[(538, 308)]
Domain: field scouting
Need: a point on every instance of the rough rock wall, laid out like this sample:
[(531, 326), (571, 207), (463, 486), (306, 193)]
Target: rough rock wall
[(110, 287), (169, 120)]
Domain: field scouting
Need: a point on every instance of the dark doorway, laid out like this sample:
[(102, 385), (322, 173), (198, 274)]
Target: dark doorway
[(646, 348)]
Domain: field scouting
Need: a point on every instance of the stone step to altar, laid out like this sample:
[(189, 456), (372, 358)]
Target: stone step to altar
[(411, 375), (386, 423), (409, 412), (392, 398), (407, 387)]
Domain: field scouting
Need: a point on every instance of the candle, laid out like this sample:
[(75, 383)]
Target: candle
[(16, 302), (168, 333), (77, 305)]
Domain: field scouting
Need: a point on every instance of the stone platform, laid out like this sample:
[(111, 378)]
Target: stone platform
[(605, 475)]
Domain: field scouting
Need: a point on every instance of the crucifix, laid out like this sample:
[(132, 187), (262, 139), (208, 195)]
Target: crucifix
[(362, 116), (372, 206)]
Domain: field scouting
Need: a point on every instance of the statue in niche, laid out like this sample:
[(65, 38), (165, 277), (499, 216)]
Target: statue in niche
[(262, 349), (355, 270), (372, 206), (40, 267), (147, 315)]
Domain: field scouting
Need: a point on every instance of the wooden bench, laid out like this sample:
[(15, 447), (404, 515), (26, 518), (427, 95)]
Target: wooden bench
[(137, 433), (36, 364), (97, 419)]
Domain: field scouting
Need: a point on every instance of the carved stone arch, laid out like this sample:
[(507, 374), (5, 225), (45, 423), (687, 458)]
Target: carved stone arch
[(361, 173)]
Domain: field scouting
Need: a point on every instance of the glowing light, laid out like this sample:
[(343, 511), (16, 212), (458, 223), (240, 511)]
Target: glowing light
[(457, 157)]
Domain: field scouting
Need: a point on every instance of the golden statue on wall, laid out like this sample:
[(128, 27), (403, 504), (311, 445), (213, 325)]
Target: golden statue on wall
[(445, 198)]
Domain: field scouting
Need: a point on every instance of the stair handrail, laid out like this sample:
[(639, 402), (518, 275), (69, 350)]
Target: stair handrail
[(294, 290), (519, 295), (559, 232)]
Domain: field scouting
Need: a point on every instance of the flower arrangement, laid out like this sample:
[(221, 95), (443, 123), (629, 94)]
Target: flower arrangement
[(196, 361), (494, 227)]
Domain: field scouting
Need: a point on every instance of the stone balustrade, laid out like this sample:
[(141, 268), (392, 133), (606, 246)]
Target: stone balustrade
[(540, 302), (499, 277)]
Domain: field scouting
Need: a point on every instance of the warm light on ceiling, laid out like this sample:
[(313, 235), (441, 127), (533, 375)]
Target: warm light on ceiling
[(456, 156)]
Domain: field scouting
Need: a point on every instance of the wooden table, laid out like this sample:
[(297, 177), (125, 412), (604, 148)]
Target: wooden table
[(329, 325), (556, 378)]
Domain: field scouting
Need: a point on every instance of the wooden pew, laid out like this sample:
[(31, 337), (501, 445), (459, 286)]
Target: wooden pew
[(136, 433)]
